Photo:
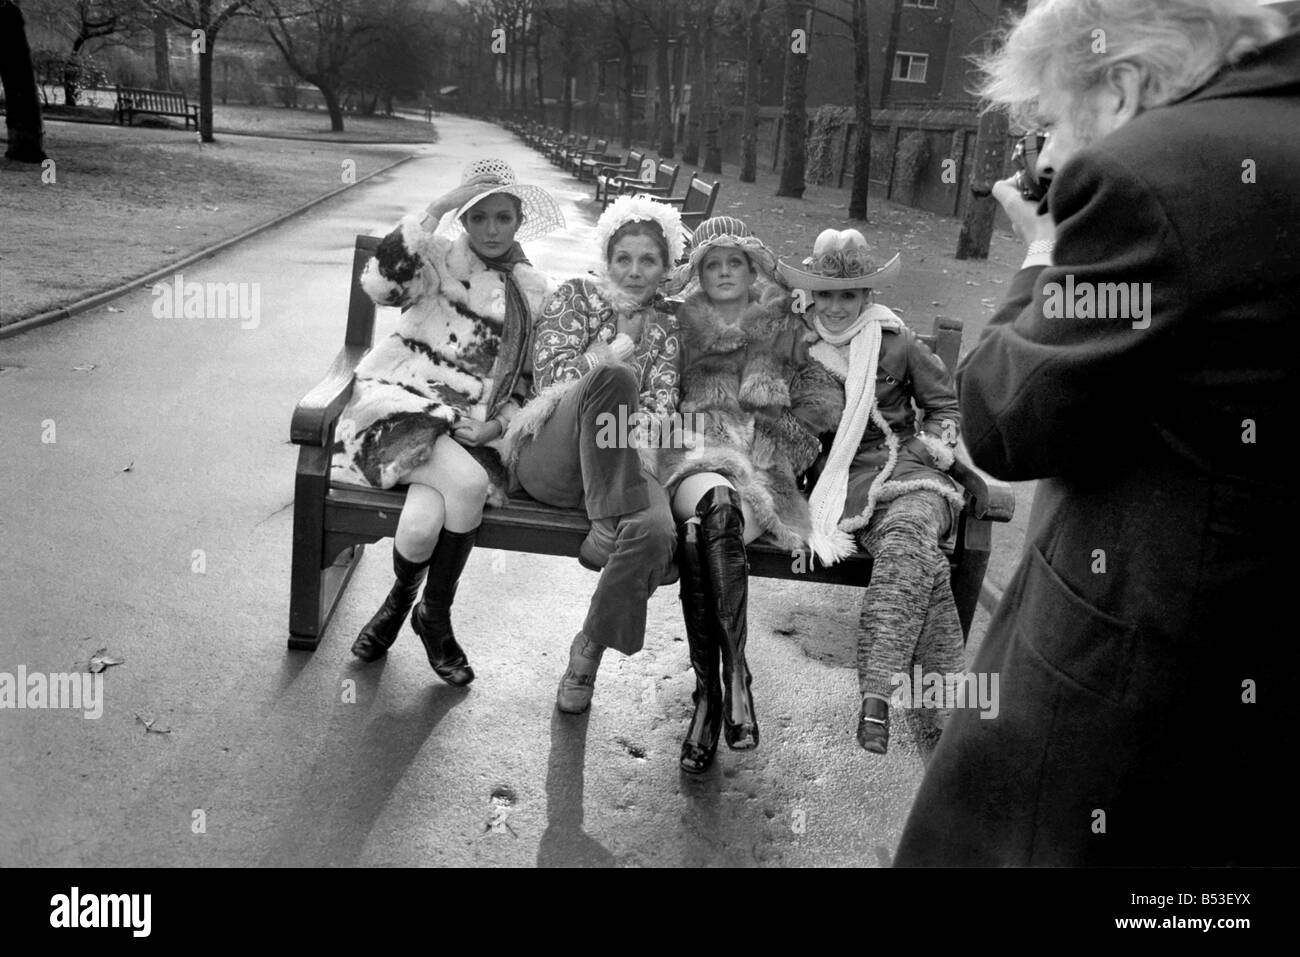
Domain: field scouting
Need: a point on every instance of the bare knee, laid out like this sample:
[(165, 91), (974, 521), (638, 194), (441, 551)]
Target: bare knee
[(422, 517)]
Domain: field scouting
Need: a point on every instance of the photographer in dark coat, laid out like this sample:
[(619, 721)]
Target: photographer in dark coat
[(1142, 369)]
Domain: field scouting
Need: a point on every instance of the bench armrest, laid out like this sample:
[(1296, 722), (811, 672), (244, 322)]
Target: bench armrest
[(653, 191), (316, 413), (991, 499)]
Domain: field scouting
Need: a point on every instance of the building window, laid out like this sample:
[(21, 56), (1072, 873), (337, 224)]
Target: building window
[(910, 67), (640, 76), (927, 4)]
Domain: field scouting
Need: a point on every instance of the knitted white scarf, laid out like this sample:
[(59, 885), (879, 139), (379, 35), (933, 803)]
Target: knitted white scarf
[(826, 502)]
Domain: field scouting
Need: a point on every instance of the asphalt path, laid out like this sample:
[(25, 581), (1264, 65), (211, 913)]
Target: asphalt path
[(148, 512)]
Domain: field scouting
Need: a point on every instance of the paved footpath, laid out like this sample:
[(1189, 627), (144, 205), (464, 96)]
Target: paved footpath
[(217, 746)]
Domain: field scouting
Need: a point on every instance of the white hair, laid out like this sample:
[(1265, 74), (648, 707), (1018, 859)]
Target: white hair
[(1070, 45)]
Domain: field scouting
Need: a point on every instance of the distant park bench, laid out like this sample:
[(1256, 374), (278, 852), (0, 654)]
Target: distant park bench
[(132, 101), (332, 521)]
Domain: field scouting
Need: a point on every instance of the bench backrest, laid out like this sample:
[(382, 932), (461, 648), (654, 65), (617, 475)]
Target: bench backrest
[(601, 146), (634, 160), (698, 204), (666, 175), (145, 101)]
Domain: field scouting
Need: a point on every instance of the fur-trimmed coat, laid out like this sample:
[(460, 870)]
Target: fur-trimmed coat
[(438, 366), (907, 372), (752, 406)]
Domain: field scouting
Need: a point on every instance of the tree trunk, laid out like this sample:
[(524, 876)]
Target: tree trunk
[(70, 80), (332, 104), (753, 71), (162, 64), (990, 160), (667, 141), (22, 106), (541, 86), (695, 114), (566, 121), (862, 103), (712, 114), (205, 89), (794, 113), (629, 100)]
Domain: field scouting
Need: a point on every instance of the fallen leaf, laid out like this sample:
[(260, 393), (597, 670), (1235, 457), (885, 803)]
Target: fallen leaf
[(85, 366), (149, 724), (101, 660), (115, 309), (129, 467)]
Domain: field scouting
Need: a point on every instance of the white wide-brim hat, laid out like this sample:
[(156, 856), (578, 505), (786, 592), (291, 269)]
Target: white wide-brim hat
[(541, 213), (841, 259)]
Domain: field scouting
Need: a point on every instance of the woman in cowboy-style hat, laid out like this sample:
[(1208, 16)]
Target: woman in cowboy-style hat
[(606, 353), (884, 479), (753, 408), (431, 400)]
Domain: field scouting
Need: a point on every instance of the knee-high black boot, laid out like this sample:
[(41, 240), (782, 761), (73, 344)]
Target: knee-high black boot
[(722, 547), (432, 617), (702, 738), (381, 631)]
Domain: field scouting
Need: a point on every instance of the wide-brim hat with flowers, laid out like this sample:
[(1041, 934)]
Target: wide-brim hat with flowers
[(841, 259), (540, 210)]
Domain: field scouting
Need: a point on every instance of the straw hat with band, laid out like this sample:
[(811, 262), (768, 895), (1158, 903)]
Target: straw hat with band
[(541, 213)]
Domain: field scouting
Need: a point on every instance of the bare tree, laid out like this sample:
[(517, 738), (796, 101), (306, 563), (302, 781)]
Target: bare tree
[(753, 76), (572, 23), (204, 20), (22, 106)]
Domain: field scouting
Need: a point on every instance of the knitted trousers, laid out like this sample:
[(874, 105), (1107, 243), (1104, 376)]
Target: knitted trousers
[(908, 614)]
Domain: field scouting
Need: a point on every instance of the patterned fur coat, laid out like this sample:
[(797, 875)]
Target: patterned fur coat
[(438, 366), (753, 407)]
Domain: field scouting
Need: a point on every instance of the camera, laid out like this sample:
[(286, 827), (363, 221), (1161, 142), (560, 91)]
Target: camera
[(1025, 158)]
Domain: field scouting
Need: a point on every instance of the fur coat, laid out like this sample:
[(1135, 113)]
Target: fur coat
[(753, 408), (438, 366)]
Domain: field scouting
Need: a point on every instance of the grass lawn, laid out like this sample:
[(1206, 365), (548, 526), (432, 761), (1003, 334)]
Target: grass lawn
[(128, 201)]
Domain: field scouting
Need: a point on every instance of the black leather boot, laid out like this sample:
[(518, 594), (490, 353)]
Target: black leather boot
[(432, 617), (722, 548), (381, 631), (702, 738)]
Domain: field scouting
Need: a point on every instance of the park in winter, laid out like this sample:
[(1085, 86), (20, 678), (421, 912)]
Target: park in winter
[(647, 433)]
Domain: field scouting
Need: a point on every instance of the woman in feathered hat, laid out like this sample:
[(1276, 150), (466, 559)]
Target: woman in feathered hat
[(884, 479), (605, 355), (753, 408), (430, 400)]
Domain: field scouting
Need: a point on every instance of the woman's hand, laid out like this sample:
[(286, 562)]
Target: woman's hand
[(1023, 213), (454, 199), (475, 433)]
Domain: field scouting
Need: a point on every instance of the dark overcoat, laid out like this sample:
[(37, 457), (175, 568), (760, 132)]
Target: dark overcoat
[(1145, 646)]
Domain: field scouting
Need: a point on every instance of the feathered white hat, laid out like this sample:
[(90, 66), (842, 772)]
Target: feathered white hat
[(626, 209), (541, 212)]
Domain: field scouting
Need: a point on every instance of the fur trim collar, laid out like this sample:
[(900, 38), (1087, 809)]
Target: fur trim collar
[(704, 329)]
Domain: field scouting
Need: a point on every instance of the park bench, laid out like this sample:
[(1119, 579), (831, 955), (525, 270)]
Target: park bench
[(665, 178), (633, 166), (696, 204), (596, 153), (132, 100), (333, 522)]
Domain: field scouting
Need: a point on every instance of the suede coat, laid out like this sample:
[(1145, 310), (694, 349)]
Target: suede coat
[(753, 407), (1144, 645), (440, 365)]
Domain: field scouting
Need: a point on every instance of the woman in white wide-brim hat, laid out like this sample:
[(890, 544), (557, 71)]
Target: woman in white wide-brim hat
[(752, 418), (884, 479), (431, 400)]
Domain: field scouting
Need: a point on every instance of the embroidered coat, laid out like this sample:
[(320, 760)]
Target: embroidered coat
[(572, 338), (441, 363), (753, 407)]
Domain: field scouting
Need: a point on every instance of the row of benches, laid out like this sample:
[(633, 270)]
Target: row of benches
[(635, 173)]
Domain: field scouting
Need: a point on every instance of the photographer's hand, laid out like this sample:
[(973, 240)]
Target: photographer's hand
[(1025, 221)]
